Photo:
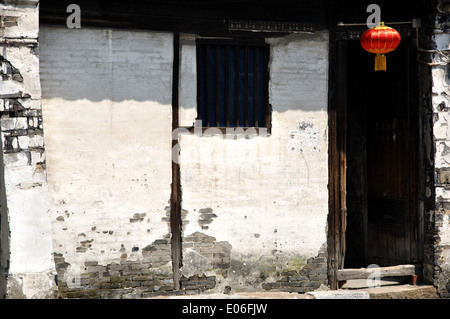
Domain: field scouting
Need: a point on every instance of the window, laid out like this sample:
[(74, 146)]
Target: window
[(232, 84)]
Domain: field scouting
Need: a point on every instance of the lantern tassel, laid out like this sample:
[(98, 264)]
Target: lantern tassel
[(380, 62)]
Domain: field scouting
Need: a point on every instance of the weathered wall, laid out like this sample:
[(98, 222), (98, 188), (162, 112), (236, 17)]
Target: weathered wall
[(257, 207), (26, 264), (440, 74), (106, 107), (254, 210)]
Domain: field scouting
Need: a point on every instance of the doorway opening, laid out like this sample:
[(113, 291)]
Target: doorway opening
[(382, 143)]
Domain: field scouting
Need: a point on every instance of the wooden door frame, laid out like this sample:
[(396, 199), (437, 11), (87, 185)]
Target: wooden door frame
[(337, 216), (337, 143)]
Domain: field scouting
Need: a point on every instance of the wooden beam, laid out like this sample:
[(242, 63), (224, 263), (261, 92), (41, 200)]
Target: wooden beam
[(392, 271), (206, 18)]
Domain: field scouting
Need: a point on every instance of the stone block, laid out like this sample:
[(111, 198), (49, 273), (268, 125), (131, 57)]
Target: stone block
[(10, 88), (16, 159), (14, 123), (444, 176)]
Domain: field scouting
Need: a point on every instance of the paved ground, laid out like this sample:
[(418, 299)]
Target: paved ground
[(385, 292), (243, 295)]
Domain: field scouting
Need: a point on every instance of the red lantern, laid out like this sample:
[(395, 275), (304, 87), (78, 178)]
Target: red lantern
[(380, 40)]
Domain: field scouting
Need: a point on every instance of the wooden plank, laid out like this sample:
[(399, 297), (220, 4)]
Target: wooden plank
[(391, 271)]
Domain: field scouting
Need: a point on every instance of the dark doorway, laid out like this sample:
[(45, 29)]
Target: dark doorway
[(382, 131)]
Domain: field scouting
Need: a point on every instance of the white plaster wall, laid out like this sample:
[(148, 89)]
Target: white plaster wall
[(107, 117), (269, 193)]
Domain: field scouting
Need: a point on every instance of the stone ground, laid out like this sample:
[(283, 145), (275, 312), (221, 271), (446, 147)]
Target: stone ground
[(384, 292)]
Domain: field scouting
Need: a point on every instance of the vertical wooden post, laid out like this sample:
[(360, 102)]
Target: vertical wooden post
[(175, 199), (337, 152), (332, 150), (341, 128)]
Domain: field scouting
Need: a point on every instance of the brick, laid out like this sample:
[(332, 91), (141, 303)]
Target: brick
[(193, 287), (291, 284), (271, 285), (318, 277), (297, 278), (131, 284), (131, 272), (137, 266), (148, 283), (91, 263), (142, 278), (289, 273), (110, 285), (311, 284)]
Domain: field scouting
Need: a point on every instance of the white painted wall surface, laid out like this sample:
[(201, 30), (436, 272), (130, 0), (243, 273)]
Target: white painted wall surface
[(269, 193), (107, 117)]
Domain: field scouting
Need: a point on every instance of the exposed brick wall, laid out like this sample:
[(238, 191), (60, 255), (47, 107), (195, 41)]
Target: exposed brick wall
[(26, 271), (216, 253), (309, 278), (142, 278)]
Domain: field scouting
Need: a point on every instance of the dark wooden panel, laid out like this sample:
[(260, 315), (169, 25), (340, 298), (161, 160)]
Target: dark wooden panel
[(392, 162), (387, 213), (383, 128), (337, 153)]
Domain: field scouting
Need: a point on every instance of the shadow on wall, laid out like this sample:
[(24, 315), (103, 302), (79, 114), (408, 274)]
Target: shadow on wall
[(97, 64), (119, 65)]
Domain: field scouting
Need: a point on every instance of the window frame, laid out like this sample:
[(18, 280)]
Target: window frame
[(245, 43)]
